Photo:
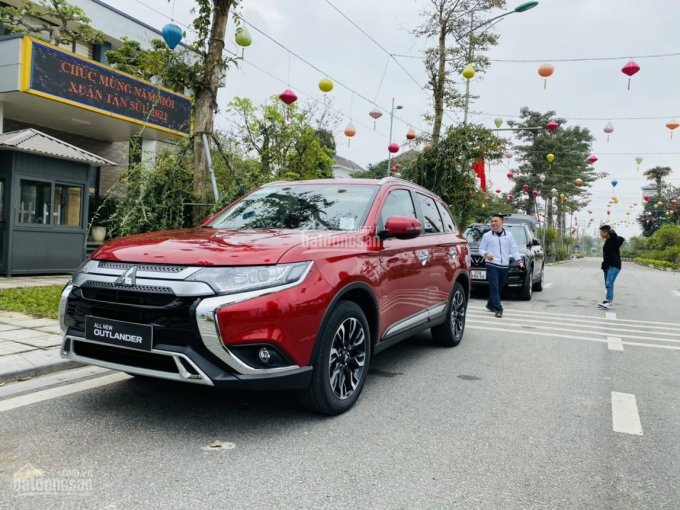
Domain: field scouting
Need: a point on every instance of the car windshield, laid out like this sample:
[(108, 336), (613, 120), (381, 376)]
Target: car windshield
[(474, 233), (300, 207)]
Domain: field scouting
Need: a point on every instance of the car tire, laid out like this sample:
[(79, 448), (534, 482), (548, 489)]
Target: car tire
[(538, 286), (526, 290), (451, 332), (340, 361)]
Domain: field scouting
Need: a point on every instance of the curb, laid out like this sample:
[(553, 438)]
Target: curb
[(659, 268), (30, 364)]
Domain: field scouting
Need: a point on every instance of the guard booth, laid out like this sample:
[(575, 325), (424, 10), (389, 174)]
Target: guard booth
[(43, 203)]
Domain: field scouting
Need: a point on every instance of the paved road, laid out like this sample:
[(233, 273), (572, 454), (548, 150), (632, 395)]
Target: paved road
[(558, 405)]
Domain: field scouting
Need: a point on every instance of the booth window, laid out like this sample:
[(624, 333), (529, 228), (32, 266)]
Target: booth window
[(67, 205), (34, 202)]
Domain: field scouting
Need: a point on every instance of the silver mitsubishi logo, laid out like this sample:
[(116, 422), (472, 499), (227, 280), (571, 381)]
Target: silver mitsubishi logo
[(128, 278)]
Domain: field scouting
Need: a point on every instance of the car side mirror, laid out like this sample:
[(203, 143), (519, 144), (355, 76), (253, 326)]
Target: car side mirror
[(401, 227), (535, 242)]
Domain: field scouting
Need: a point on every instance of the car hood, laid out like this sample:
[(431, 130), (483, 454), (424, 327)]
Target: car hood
[(207, 246)]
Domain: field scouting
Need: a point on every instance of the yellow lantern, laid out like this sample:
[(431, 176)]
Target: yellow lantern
[(326, 85), (550, 158), (468, 72)]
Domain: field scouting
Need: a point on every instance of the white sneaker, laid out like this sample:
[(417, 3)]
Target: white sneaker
[(605, 304)]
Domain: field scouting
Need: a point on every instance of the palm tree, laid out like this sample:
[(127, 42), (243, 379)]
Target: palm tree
[(657, 174)]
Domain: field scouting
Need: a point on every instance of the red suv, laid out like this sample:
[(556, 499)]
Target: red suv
[(294, 286)]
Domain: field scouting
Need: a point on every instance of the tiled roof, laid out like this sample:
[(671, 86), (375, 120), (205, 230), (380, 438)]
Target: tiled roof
[(36, 142)]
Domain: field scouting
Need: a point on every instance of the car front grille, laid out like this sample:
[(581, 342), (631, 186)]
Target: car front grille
[(172, 317), (477, 260)]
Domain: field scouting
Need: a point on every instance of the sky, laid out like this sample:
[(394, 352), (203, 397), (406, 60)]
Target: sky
[(298, 42)]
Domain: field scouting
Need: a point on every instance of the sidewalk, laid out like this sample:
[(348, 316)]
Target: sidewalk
[(28, 346)]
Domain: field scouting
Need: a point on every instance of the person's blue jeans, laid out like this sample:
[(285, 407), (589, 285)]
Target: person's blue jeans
[(609, 277), (496, 277)]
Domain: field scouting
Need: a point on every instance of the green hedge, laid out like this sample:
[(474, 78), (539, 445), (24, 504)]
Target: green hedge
[(657, 263)]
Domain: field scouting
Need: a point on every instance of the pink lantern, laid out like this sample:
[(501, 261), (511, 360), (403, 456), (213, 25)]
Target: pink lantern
[(592, 159), (375, 114), (511, 197), (629, 70), (535, 193), (552, 126), (498, 190), (509, 175), (393, 148), (608, 213), (609, 129), (410, 134), (288, 97), (525, 187)]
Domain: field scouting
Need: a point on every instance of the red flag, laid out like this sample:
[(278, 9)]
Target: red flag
[(478, 168)]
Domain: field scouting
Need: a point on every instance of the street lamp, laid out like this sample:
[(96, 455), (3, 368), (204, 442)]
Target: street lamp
[(389, 157), (469, 71)]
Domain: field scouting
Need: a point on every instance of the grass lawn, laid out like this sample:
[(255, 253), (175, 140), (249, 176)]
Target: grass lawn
[(36, 301)]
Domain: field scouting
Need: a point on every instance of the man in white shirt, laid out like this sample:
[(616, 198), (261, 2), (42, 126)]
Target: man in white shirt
[(497, 247)]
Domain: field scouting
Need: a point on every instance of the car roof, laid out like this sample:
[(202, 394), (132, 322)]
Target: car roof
[(350, 181)]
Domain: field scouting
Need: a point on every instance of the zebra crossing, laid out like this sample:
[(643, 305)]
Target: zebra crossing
[(615, 333)]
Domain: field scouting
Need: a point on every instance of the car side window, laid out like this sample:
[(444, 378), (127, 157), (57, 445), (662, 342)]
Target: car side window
[(432, 219), (449, 224), (398, 203)]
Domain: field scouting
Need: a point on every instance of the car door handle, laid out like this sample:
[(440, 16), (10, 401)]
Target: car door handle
[(423, 256)]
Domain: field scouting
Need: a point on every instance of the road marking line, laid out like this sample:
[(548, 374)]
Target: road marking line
[(540, 333), (525, 313), (471, 319), (610, 315), (575, 324), (40, 396), (625, 417), (614, 343), (547, 285), (676, 292)]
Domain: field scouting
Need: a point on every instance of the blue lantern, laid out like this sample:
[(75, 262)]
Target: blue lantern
[(172, 35), (614, 183)]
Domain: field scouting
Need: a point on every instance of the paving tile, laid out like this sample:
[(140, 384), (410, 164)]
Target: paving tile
[(55, 330), (38, 323), (15, 366), (13, 348), (20, 334), (8, 327), (42, 342)]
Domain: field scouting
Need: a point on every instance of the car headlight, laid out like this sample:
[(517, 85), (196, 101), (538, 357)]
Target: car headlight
[(230, 280)]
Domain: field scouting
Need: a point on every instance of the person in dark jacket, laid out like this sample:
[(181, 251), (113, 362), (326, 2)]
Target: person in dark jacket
[(611, 262)]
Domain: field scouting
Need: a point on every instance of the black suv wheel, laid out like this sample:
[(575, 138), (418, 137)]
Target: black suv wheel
[(526, 291)]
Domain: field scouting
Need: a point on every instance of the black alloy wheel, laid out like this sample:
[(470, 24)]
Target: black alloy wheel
[(340, 361), (451, 332)]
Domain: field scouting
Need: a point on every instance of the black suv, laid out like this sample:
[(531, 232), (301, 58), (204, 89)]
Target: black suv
[(524, 281)]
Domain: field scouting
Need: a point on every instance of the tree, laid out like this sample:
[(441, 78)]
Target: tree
[(54, 21), (657, 174), (661, 209), (570, 146), (282, 140), (443, 20), (444, 168)]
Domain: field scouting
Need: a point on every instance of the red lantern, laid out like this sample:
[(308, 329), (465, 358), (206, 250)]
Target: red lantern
[(288, 97), (534, 193), (552, 126), (498, 190), (592, 159), (629, 70), (509, 175), (410, 134), (511, 198), (397, 166), (393, 148), (525, 187), (646, 198), (608, 213)]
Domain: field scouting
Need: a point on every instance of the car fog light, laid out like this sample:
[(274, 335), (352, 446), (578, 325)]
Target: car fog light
[(264, 355)]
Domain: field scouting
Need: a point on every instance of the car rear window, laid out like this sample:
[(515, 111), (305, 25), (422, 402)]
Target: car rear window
[(300, 207)]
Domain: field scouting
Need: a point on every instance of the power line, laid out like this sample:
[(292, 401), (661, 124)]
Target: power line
[(584, 59), (666, 117)]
